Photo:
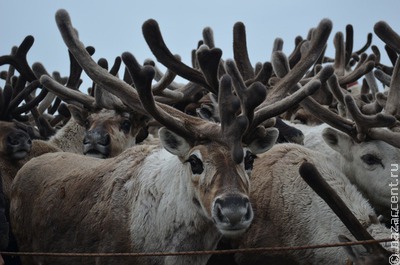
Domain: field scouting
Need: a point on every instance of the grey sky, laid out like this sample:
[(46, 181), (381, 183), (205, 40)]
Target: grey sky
[(114, 27)]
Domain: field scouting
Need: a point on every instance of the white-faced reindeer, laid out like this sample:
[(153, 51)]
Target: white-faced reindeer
[(289, 213), (365, 154)]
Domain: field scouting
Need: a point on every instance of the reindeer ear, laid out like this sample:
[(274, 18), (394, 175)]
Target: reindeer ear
[(173, 143), (338, 141), (78, 114), (260, 145)]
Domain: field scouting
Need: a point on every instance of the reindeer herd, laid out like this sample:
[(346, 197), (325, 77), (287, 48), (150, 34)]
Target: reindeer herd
[(288, 152)]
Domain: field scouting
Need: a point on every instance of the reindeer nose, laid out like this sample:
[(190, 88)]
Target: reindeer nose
[(97, 143), (232, 213), (97, 136), (18, 139), (18, 144)]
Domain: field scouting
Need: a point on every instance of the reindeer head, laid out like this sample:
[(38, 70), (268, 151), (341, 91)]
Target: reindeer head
[(108, 132), (15, 142), (217, 160)]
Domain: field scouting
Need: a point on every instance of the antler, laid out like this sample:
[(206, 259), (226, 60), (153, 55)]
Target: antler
[(251, 97), (240, 53), (311, 52), (155, 41), (19, 61), (194, 129), (387, 35)]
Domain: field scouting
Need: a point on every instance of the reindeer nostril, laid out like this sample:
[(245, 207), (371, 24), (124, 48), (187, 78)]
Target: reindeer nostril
[(249, 213), (97, 137), (220, 216), (107, 139)]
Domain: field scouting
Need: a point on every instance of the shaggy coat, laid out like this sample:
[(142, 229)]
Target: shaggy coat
[(289, 213)]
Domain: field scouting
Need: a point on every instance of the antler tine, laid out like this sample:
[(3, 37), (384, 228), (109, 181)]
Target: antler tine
[(165, 90), (371, 81), (377, 54), (263, 75), (75, 70), (155, 41), (116, 66), (393, 102), (208, 37), (6, 99), (240, 52), (40, 70), (9, 74), (383, 77), (349, 44), (250, 97), (278, 45), (163, 78), (103, 98), (19, 61), (338, 92), (391, 54), (317, 45), (314, 179), (23, 94), (363, 67), (366, 45), (283, 105), (295, 56), (328, 116), (363, 122), (209, 60), (340, 54), (387, 35), (66, 94), (2, 104)]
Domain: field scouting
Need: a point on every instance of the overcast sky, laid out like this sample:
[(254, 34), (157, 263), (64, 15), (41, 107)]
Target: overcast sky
[(114, 27)]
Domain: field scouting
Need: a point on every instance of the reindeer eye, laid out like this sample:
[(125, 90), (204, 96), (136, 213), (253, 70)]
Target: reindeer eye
[(249, 160), (126, 126), (370, 159), (195, 164)]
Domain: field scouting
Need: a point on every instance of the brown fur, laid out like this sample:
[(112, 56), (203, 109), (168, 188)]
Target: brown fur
[(9, 168), (112, 223)]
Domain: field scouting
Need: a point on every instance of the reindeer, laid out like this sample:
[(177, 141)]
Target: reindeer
[(364, 153)]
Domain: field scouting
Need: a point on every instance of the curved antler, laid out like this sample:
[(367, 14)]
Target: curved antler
[(311, 52), (387, 35), (19, 61), (155, 41)]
